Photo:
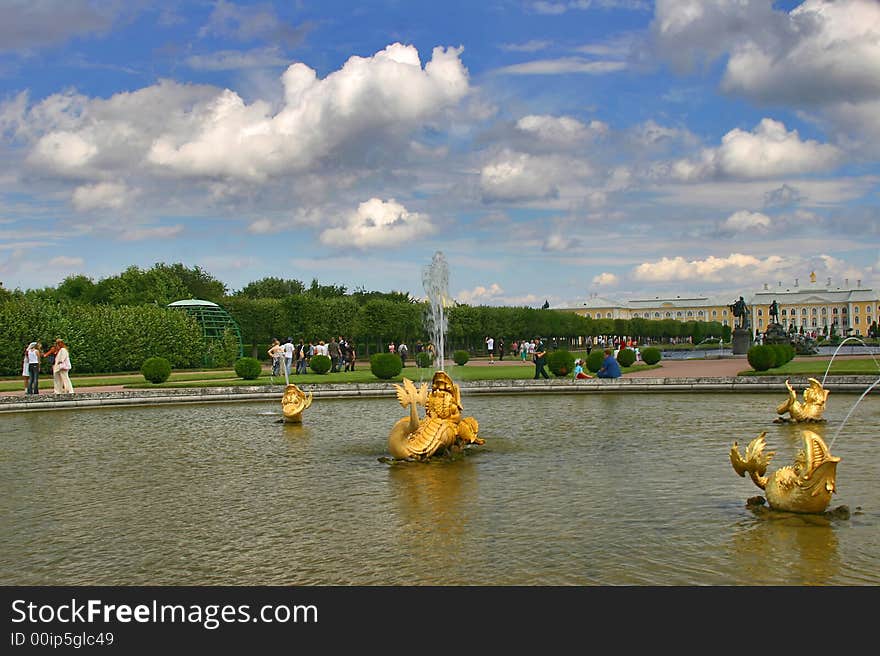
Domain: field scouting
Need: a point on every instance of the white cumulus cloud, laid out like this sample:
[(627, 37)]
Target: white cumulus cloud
[(605, 279), (767, 152), (744, 220), (378, 224), (713, 269)]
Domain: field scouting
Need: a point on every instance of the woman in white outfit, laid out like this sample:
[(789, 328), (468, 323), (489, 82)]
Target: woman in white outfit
[(60, 369)]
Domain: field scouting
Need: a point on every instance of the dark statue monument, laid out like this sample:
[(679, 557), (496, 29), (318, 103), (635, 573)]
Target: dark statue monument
[(775, 333), (742, 335)]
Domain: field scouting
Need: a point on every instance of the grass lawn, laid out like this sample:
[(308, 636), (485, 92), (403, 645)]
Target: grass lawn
[(817, 368), (228, 378)]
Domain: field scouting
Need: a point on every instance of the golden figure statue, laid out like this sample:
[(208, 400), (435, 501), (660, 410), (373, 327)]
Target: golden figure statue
[(804, 487), (293, 402), (811, 409), (441, 430)]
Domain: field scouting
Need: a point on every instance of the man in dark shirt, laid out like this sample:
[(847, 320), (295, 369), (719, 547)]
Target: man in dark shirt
[(540, 359), (610, 366)]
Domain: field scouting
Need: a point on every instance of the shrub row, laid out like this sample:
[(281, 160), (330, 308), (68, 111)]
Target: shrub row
[(762, 357)]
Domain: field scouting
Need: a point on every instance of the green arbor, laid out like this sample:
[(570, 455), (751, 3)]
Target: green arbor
[(219, 329)]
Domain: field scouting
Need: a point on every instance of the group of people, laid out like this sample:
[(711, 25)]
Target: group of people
[(58, 357), (341, 352)]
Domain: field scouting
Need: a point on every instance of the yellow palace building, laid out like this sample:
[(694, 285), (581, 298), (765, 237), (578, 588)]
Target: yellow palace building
[(813, 306)]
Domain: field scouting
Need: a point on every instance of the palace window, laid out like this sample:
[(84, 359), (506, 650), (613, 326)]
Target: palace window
[(843, 311), (855, 309), (656, 315), (824, 312), (690, 314), (714, 313), (785, 313), (760, 312), (815, 312), (669, 315), (804, 312), (833, 310), (678, 314)]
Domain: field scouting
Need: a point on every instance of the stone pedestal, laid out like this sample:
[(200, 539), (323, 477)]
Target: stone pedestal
[(742, 341)]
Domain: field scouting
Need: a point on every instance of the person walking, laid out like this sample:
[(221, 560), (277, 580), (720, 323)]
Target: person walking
[(33, 355), (540, 359), (288, 356), (277, 354), (25, 370), (334, 353), (61, 368), (402, 351), (490, 349)]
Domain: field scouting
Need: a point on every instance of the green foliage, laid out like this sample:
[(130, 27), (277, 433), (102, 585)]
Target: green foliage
[(221, 352), (560, 362), (385, 365), (100, 338), (270, 287), (626, 357), (761, 357), (784, 353), (424, 359), (651, 355), (595, 360), (321, 364), (156, 370), (248, 368), (461, 357)]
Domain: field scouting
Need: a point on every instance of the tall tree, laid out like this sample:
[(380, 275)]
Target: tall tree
[(271, 287)]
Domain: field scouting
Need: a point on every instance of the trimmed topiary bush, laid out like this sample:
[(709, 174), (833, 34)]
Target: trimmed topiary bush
[(320, 364), (248, 368), (385, 365), (784, 353), (762, 357), (156, 370), (595, 360), (424, 359), (560, 362), (626, 357), (461, 357), (651, 355)]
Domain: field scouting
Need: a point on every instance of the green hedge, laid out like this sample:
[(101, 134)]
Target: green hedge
[(100, 338), (248, 368), (320, 364), (560, 362), (156, 370), (460, 358), (595, 360), (761, 357), (385, 365), (626, 357), (651, 355), (424, 359)]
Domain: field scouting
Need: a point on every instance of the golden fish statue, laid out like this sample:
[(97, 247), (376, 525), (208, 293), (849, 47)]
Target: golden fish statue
[(811, 409), (804, 487), (441, 430), (293, 402)]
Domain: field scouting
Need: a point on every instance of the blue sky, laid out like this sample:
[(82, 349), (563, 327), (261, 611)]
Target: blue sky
[(551, 150)]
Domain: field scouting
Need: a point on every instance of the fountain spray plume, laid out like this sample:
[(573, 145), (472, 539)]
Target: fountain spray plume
[(435, 280)]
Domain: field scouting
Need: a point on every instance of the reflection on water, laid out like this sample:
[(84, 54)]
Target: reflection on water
[(606, 489)]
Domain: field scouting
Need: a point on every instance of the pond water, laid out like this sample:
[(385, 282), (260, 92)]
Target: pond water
[(606, 489)]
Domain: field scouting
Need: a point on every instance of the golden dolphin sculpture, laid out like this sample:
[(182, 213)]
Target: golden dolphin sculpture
[(442, 429), (804, 487), (293, 402), (811, 409)]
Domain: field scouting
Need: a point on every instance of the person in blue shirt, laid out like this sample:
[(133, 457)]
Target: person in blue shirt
[(610, 367)]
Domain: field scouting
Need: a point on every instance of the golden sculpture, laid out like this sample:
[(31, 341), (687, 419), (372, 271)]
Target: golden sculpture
[(810, 410), (804, 487), (441, 431), (293, 402)]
